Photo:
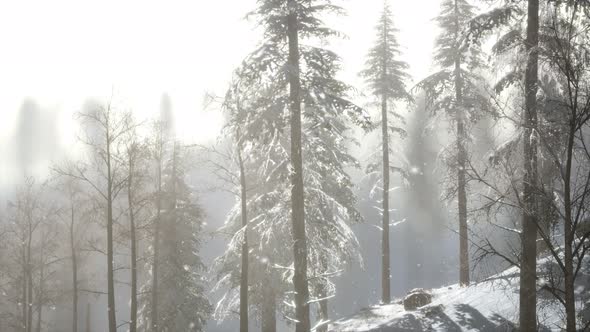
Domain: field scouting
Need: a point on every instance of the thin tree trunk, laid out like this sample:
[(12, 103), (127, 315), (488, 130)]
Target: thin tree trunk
[(528, 273), (323, 295), (74, 273), (24, 290), (29, 303), (269, 309), (133, 307), (110, 254), (300, 281), (385, 258), (39, 317), (461, 167), (244, 271), (88, 319), (385, 269), (462, 192), (545, 216), (40, 300), (324, 316), (570, 300), (156, 245)]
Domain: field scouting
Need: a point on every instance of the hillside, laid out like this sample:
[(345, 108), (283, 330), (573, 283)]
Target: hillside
[(490, 305)]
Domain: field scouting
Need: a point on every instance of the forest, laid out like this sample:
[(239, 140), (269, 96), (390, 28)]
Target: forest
[(295, 165)]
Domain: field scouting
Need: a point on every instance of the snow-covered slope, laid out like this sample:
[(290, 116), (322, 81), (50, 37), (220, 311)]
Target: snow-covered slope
[(490, 305)]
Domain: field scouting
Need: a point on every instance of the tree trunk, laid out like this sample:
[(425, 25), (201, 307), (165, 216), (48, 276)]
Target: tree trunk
[(88, 320), (40, 300), (385, 269), (24, 290), (110, 254), (569, 234), (546, 212), (74, 273), (244, 271), (156, 245), (300, 281), (324, 315), (29, 303), (323, 295), (461, 167), (269, 309), (528, 273), (133, 306), (39, 317)]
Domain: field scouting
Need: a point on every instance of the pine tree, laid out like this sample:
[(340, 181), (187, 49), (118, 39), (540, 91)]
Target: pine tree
[(163, 130), (302, 75), (331, 208), (456, 90), (263, 121), (386, 76), (183, 305), (264, 238), (173, 299)]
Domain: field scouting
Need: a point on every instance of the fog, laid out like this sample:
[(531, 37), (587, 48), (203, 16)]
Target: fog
[(137, 129)]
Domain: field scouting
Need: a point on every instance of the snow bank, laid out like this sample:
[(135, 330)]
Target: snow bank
[(490, 305)]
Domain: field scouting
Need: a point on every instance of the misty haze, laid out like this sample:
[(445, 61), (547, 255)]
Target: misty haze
[(294, 165)]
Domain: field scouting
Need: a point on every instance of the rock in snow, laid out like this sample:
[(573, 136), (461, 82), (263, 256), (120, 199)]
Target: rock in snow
[(417, 298)]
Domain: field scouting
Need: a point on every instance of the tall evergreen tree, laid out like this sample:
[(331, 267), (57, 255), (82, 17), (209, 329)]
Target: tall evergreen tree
[(173, 298), (163, 130), (456, 89), (183, 305), (288, 24), (386, 74), (263, 119)]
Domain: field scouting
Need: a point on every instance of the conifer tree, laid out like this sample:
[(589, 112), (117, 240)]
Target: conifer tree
[(183, 305), (176, 298), (386, 74), (456, 90), (307, 73), (263, 120)]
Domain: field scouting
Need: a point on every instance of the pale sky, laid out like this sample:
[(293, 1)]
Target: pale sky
[(61, 52)]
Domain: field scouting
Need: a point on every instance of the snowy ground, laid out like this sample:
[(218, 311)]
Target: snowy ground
[(490, 305)]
